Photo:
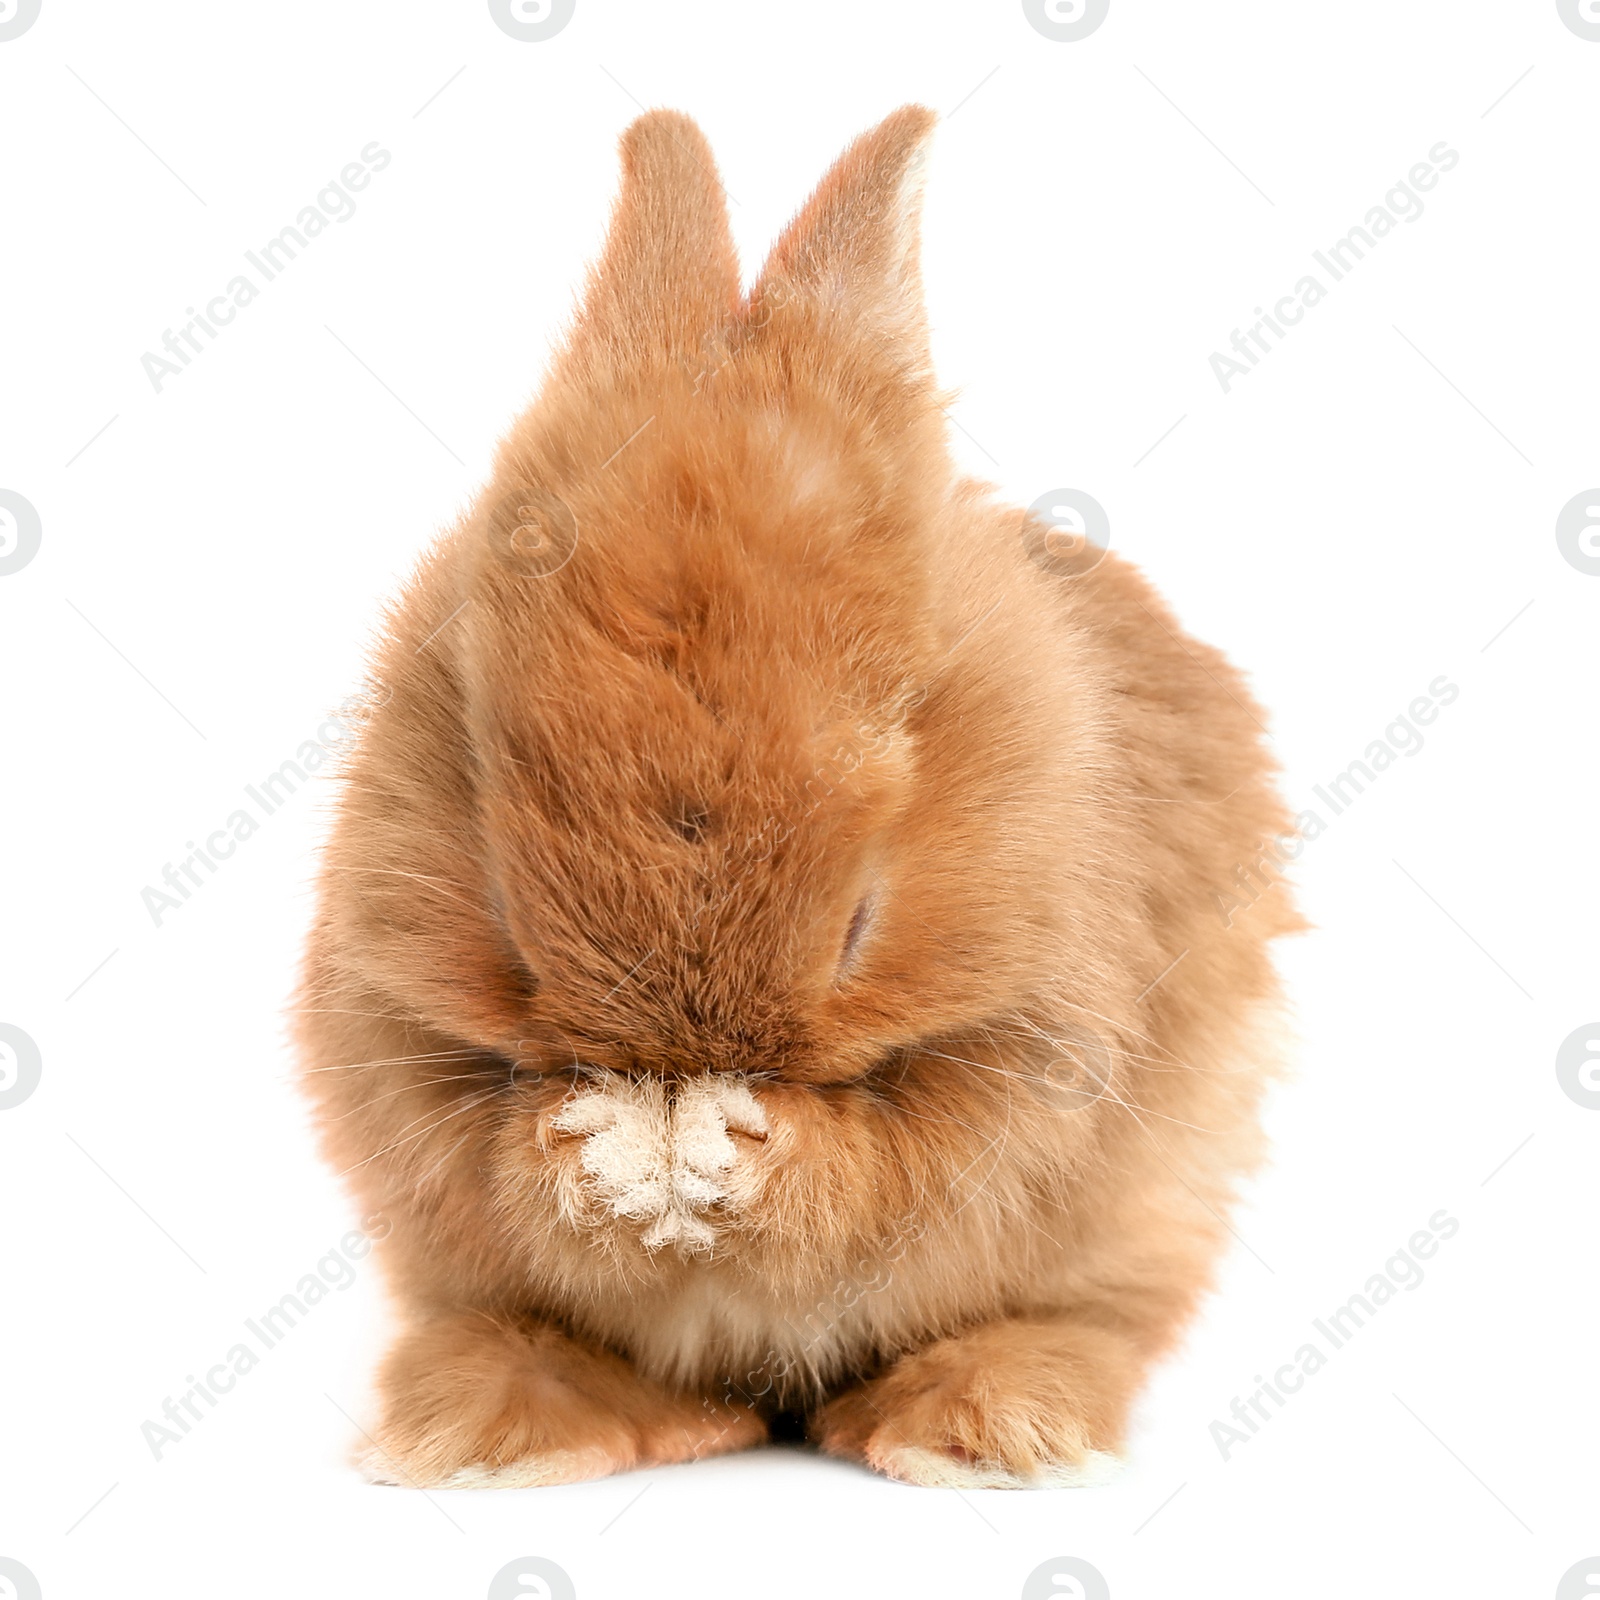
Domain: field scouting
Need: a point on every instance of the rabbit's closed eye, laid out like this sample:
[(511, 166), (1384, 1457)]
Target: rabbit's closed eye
[(860, 920)]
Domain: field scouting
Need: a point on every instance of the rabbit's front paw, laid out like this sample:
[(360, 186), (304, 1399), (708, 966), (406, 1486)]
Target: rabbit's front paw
[(1013, 1405), (666, 1157), (475, 1402)]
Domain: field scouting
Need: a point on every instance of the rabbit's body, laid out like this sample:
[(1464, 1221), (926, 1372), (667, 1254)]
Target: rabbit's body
[(769, 952)]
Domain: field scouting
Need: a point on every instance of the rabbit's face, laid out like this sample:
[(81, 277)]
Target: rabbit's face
[(696, 750)]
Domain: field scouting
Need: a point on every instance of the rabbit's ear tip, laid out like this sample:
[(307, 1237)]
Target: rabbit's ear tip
[(911, 124), (660, 120), (675, 133), (665, 141)]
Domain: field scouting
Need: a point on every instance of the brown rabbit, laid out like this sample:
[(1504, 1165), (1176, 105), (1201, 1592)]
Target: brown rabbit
[(768, 957)]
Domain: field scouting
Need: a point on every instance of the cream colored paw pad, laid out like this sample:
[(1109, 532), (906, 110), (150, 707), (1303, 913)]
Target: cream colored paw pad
[(661, 1154), (933, 1469), (536, 1472)]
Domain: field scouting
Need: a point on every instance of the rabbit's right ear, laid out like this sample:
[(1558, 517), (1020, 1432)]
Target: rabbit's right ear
[(852, 255), (669, 274)]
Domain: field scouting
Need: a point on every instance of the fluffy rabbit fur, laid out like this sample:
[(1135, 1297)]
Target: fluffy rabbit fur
[(768, 957)]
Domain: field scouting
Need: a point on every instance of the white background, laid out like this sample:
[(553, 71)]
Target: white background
[(1370, 508)]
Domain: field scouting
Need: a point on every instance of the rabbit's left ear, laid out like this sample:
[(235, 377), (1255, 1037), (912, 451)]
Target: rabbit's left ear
[(669, 274), (852, 255)]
